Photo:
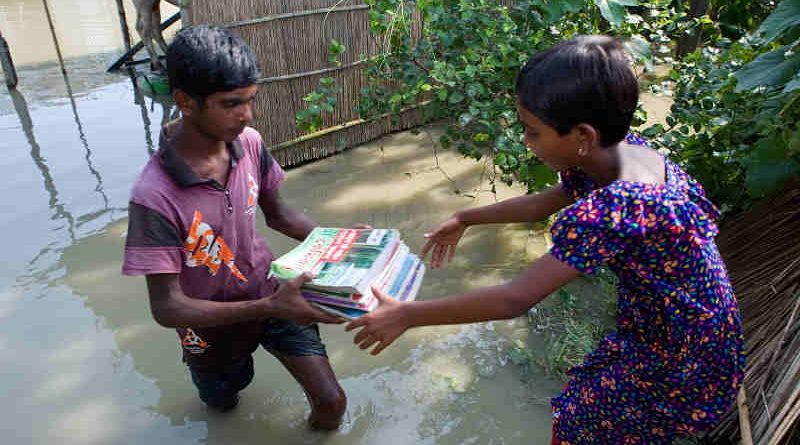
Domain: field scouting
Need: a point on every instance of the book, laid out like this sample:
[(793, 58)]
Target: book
[(342, 260), (346, 263)]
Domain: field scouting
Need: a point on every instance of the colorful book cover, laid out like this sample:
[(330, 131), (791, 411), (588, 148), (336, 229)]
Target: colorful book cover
[(342, 260)]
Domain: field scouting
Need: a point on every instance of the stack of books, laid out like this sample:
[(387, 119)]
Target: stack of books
[(346, 263)]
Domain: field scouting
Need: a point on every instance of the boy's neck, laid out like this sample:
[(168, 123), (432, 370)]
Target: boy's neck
[(191, 143)]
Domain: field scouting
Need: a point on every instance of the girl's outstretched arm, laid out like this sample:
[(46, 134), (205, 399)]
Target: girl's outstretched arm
[(392, 318), (443, 239)]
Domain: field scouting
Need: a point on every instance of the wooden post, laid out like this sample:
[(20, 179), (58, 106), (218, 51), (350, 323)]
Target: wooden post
[(55, 39), (123, 25), (8, 64), (744, 417)]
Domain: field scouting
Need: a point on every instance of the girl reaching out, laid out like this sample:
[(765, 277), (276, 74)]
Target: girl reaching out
[(674, 364)]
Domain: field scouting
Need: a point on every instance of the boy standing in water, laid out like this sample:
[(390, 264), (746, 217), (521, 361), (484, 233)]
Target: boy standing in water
[(675, 362), (192, 234)]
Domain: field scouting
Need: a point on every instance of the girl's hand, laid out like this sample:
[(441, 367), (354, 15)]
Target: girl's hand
[(381, 326), (443, 240)]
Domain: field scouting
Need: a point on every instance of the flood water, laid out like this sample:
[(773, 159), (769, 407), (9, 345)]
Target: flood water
[(83, 362)]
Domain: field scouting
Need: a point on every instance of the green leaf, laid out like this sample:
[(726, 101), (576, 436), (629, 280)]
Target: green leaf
[(456, 97), (480, 137), (794, 84), (614, 10), (768, 166), (543, 176), (555, 9), (770, 69), (785, 16), (794, 143)]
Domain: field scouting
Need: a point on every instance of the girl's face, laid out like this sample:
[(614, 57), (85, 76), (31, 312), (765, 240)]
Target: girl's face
[(552, 149)]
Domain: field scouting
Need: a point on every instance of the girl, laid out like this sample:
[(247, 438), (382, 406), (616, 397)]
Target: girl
[(674, 364)]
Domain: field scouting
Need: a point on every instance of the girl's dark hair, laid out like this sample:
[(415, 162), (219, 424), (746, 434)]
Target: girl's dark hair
[(203, 60), (588, 80)]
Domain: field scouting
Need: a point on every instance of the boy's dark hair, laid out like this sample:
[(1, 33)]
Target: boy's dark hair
[(588, 80), (203, 60)]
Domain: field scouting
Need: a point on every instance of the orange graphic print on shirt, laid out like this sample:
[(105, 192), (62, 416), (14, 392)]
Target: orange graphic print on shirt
[(192, 342), (252, 195), (204, 248)]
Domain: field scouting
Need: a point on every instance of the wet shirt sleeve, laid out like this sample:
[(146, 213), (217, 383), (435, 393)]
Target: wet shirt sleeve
[(153, 244), (582, 237)]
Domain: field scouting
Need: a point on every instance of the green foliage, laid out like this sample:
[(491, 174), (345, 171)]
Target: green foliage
[(734, 123), (322, 100), (335, 49), (463, 66), (735, 18), (569, 324)]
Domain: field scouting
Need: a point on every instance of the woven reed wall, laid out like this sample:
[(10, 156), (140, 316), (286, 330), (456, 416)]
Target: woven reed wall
[(291, 51), (762, 252)]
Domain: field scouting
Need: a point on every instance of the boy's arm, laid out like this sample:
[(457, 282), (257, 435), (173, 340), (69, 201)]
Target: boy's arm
[(527, 208), (173, 309), (504, 301), (283, 218)]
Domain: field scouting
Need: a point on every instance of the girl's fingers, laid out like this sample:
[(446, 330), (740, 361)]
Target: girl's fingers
[(425, 248), (451, 252), (360, 321), (437, 256), (381, 346), (360, 336), (367, 343)]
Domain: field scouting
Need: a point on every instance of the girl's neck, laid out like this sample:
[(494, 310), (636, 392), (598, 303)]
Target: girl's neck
[(603, 165)]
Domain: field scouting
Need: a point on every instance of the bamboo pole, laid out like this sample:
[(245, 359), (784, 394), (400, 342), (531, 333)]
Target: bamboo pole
[(123, 25), (335, 128), (8, 64), (310, 73), (55, 39), (289, 15), (744, 417)]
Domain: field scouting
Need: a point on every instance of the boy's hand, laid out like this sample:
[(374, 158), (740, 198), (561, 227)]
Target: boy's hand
[(362, 226), (288, 303), (443, 240), (381, 326)]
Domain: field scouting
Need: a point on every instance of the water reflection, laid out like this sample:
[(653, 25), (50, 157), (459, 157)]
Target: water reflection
[(59, 212), (84, 141)]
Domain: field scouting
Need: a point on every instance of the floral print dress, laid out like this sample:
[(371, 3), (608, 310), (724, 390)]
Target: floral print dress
[(674, 364)]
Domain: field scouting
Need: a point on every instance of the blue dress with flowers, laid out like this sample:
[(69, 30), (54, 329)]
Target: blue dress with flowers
[(674, 364)]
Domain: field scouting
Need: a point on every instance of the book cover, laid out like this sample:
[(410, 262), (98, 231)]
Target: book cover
[(342, 260)]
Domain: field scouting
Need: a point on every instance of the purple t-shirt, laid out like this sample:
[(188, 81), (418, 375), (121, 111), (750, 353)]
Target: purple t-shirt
[(205, 232)]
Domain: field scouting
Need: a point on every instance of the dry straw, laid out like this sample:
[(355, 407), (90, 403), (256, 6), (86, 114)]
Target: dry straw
[(762, 252)]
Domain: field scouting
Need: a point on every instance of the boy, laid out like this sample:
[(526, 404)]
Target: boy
[(192, 234)]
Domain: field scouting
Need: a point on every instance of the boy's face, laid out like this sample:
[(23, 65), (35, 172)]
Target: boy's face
[(552, 149), (223, 115)]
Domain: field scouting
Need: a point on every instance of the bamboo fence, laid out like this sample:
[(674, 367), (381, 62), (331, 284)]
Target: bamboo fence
[(290, 39), (762, 252)]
